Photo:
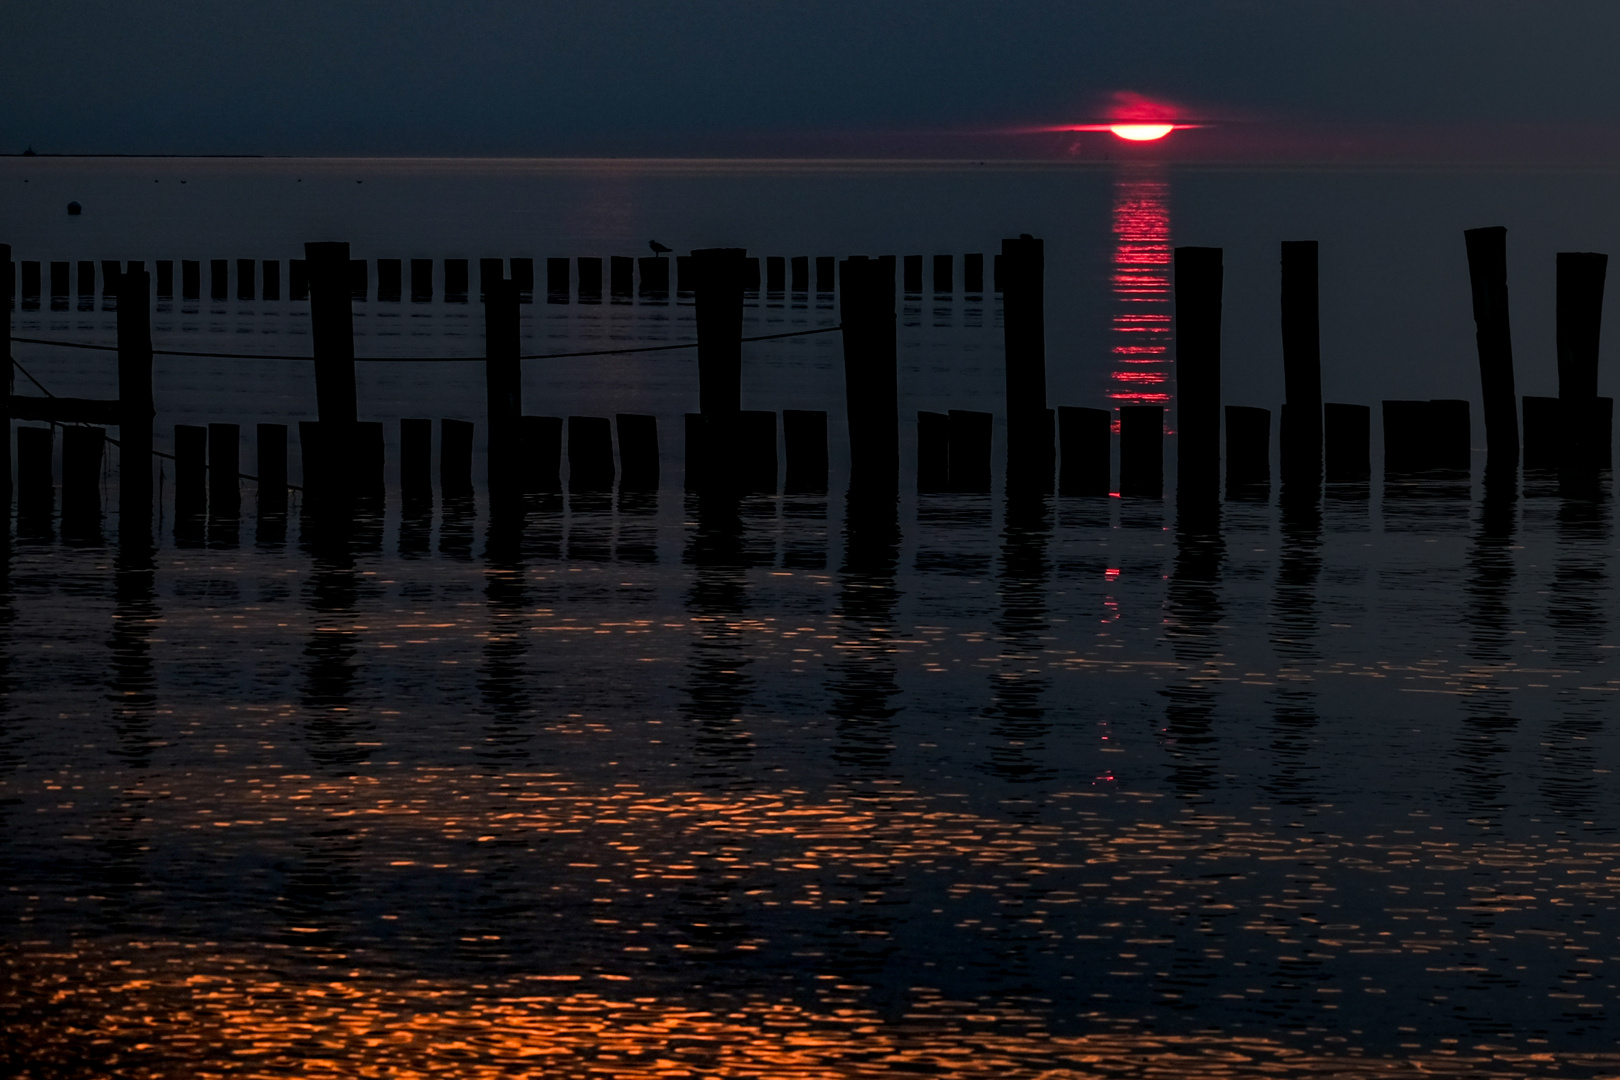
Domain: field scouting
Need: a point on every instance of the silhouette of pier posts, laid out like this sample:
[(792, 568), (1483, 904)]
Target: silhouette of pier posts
[(1487, 272), (714, 431), (9, 287), (503, 379), (1300, 441), (1198, 285), (866, 299), (135, 404), (1030, 428), (1585, 424), (329, 471)]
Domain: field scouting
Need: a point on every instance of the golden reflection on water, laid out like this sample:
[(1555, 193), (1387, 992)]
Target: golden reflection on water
[(1141, 288)]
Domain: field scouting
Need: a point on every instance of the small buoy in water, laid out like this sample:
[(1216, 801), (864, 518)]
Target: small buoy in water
[(74, 209)]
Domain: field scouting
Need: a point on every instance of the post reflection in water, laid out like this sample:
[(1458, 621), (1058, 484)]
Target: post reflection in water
[(334, 728), (1192, 627), (1140, 283), (503, 681), (1576, 612), (718, 682), (863, 681), (1016, 710), (1489, 716), (1295, 749)]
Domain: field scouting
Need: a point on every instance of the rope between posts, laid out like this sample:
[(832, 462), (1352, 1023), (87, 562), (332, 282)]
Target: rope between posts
[(419, 359)]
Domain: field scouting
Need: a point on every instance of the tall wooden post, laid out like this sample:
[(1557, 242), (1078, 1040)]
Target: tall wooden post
[(1584, 423), (866, 300), (1301, 434), (1030, 459), (331, 316), (719, 295), (503, 381), (6, 292), (1487, 272), (1198, 373), (135, 405)]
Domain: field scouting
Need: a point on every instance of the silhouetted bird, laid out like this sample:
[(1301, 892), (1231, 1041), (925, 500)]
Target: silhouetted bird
[(658, 249)]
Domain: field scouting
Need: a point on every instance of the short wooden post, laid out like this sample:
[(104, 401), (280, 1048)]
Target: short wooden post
[(1085, 440), (775, 274), (1543, 436), (503, 380), (684, 281), (622, 276), (298, 280), (271, 454), (1451, 441), (523, 279), (542, 454), (191, 279), (224, 469), (756, 447), (135, 402), (654, 277), (1198, 287), (826, 273), (367, 459), (455, 281), (1141, 451), (272, 279), (81, 471), (1408, 437), (1581, 277), (590, 280), (165, 279), (489, 271), (36, 476), (590, 454), (331, 316), (912, 273), (87, 281), (1030, 457), (973, 274), (6, 287), (556, 281), (696, 453), (219, 279), (1248, 451), (416, 459), (638, 451), (244, 279), (455, 458), (944, 275), (933, 452), (1300, 439), (871, 379), (718, 285), (390, 280), (1347, 443), (1487, 272), (190, 470), (970, 450), (995, 273), (421, 281), (804, 439), (359, 280), (800, 272), (30, 285), (316, 461), (751, 274)]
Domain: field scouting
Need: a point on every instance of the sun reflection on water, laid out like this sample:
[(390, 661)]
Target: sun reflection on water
[(1141, 288)]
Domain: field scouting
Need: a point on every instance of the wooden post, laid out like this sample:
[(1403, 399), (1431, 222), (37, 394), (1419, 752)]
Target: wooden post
[(81, 472), (87, 282), (1301, 435), (1581, 277), (1198, 373), (489, 272), (654, 277), (271, 440), (718, 285), (590, 280), (775, 274), (638, 451), (190, 470), (804, 438), (30, 285), (421, 281), (503, 380), (272, 279), (621, 276), (61, 279), (1085, 438), (973, 274), (1487, 272), (933, 452), (871, 388), (1248, 451), (696, 455), (1408, 437), (244, 279), (5, 384), (1543, 434), (1451, 443), (542, 454), (455, 458), (298, 280), (913, 275), (359, 280), (367, 459), (191, 279), (800, 268), (331, 316), (970, 450), (416, 460), (219, 279), (224, 468), (751, 274), (390, 280), (455, 281), (1347, 443), (1141, 451), (36, 479), (590, 454), (165, 279), (1030, 458), (556, 281), (944, 275), (756, 447), (523, 279), (826, 273), (135, 403)]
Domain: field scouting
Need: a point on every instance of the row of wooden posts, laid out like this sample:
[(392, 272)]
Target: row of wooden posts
[(730, 449), (581, 277)]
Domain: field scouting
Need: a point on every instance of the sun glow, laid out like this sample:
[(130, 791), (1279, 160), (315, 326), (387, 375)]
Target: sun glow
[(1142, 132)]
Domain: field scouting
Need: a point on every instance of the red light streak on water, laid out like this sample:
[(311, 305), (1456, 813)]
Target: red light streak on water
[(1141, 323)]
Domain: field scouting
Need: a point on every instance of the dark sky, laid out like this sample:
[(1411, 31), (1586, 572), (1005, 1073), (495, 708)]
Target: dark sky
[(692, 77)]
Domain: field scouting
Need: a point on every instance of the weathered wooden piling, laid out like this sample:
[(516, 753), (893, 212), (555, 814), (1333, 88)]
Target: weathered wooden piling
[(390, 280), (1085, 438), (1141, 451), (245, 279), (654, 273), (82, 449), (1487, 272), (1248, 451), (272, 279), (455, 281), (800, 272), (1542, 431), (298, 279), (6, 287), (190, 470), (751, 274), (111, 271), (135, 402), (718, 286), (1300, 438), (36, 477), (489, 270), (523, 279), (1198, 286), (416, 459), (367, 458), (557, 281), (970, 450), (995, 273), (331, 316), (1452, 443), (1030, 452), (191, 279), (912, 273), (503, 382), (775, 274), (1347, 443), (826, 273), (973, 274), (944, 275), (271, 454), (760, 467), (684, 280), (359, 280), (638, 451), (804, 441), (590, 279), (933, 452), (61, 282), (542, 454), (590, 454), (455, 458), (324, 482), (1581, 277), (165, 279), (1408, 436), (87, 279), (871, 388), (219, 279), (30, 284), (224, 467), (421, 281), (622, 276)]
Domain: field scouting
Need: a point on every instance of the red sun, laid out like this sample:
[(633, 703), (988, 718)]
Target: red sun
[(1138, 132)]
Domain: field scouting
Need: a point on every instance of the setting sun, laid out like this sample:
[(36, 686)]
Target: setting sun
[(1142, 132)]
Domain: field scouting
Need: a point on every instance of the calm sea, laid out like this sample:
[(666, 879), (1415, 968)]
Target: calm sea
[(654, 787)]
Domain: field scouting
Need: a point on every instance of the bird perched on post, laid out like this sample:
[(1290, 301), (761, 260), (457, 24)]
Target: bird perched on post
[(658, 249)]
